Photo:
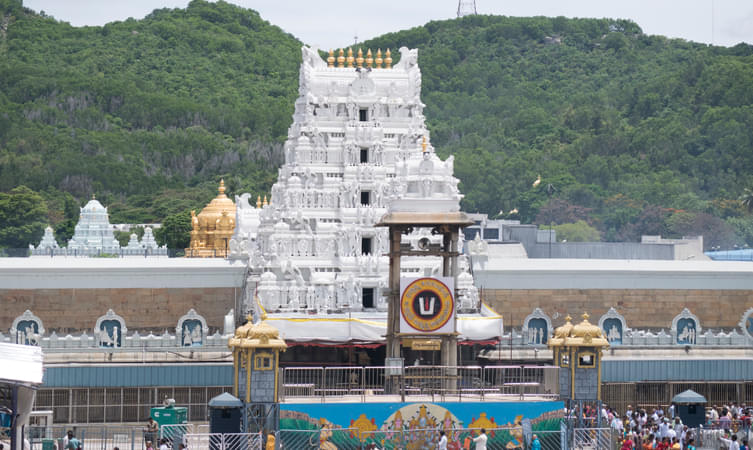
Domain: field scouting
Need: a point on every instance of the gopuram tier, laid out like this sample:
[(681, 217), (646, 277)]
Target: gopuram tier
[(358, 148)]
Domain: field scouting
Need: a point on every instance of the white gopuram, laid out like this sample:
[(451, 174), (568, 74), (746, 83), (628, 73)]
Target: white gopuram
[(93, 233), (47, 246), (358, 147)]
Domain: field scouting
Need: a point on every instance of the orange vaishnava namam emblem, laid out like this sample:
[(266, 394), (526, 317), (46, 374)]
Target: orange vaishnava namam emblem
[(426, 304)]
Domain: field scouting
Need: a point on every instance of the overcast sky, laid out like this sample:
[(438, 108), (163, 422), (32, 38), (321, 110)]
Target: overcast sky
[(335, 23)]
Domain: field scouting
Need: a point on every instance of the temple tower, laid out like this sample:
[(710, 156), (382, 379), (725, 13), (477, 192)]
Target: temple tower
[(93, 233), (358, 143)]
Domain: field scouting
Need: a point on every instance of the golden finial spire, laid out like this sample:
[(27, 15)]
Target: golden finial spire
[(331, 59), (359, 60), (265, 201), (369, 59), (258, 201), (350, 58), (423, 145), (568, 318), (340, 59), (388, 59), (585, 316), (379, 59), (221, 189)]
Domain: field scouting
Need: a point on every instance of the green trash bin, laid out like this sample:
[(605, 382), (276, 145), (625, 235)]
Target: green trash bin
[(48, 444)]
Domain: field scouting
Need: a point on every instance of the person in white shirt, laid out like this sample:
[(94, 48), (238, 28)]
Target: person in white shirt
[(442, 444), (163, 444), (616, 424), (731, 442), (480, 441)]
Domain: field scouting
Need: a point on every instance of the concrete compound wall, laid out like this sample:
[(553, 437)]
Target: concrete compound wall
[(157, 310), (642, 308)]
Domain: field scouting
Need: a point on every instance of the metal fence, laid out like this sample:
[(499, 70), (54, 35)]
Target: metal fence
[(92, 437), (64, 252), (224, 441), (593, 439), (117, 405), (438, 382), (497, 439), (652, 394)]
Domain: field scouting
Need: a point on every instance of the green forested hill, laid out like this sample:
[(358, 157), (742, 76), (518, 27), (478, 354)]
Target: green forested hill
[(636, 134), (147, 114)]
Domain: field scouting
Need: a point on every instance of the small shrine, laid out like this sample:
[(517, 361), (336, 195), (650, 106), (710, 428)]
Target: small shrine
[(256, 356), (47, 246), (212, 228), (93, 233), (577, 350)]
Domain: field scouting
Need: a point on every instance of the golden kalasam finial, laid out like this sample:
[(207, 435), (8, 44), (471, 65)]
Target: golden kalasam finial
[(359, 60), (258, 201), (585, 316), (369, 59), (221, 189), (568, 318), (388, 60), (350, 58), (340, 59), (331, 59), (379, 59), (265, 201), (423, 145)]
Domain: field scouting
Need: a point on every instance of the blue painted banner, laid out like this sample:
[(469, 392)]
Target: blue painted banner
[(387, 425)]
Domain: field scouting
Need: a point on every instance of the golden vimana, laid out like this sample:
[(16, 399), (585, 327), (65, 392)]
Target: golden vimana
[(359, 60)]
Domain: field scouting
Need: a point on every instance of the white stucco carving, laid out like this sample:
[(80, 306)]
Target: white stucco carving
[(357, 147)]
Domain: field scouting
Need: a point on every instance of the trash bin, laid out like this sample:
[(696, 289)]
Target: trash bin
[(48, 444)]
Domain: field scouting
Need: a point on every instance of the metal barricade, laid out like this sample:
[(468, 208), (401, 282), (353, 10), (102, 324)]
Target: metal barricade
[(427, 438), (592, 439), (301, 381), (224, 441), (174, 433), (93, 437)]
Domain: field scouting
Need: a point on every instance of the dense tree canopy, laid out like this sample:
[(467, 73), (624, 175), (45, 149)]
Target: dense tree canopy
[(23, 213), (638, 134)]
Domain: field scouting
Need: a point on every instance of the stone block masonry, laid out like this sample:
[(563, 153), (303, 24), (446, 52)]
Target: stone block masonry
[(144, 309), (642, 308)]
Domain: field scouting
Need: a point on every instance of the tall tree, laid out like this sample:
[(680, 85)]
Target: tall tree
[(175, 231), (23, 217)]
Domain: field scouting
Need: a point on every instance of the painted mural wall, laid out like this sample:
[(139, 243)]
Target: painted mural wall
[(414, 425)]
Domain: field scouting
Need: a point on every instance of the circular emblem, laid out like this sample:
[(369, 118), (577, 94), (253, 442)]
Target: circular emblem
[(426, 304)]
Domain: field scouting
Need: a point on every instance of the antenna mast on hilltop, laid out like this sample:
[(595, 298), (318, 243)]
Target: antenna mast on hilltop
[(466, 7)]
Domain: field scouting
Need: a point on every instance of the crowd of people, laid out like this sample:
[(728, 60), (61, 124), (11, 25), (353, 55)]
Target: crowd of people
[(662, 430)]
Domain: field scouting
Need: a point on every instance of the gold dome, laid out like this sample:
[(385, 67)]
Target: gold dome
[(259, 335), (561, 333), (243, 330), (213, 227), (213, 211), (586, 328), (584, 334)]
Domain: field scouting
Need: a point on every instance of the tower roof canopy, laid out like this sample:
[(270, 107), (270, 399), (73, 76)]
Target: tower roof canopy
[(584, 334)]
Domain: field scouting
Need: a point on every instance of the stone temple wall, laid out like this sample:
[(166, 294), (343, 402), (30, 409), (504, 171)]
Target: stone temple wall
[(157, 310), (642, 308)]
